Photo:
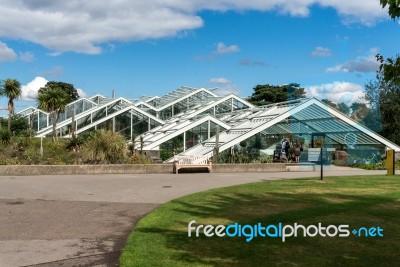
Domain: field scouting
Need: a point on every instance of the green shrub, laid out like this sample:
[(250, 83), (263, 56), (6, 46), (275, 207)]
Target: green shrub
[(166, 154), (5, 136), (136, 158), (104, 146)]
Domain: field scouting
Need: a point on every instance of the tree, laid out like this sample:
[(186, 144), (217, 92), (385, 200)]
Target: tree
[(53, 100), (394, 7), (390, 67), (268, 94), (329, 103), (10, 88), (359, 111), (344, 108), (384, 102), (389, 104), (69, 89), (373, 118)]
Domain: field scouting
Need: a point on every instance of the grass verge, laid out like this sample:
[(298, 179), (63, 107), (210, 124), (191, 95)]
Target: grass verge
[(161, 238)]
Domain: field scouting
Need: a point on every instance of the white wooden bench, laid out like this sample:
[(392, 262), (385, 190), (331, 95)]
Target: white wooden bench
[(186, 162)]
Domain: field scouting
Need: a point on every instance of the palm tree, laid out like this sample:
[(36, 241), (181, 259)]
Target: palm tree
[(10, 88), (52, 100)]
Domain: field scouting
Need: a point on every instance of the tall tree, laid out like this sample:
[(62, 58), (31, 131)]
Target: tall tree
[(10, 88), (53, 100), (268, 94), (69, 89), (330, 103), (390, 67), (389, 104), (344, 108), (373, 119), (359, 111)]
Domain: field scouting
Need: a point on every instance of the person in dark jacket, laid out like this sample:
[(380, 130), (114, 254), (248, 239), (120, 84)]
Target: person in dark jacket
[(297, 151)]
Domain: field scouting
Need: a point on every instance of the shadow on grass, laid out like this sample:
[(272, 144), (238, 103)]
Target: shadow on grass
[(271, 208)]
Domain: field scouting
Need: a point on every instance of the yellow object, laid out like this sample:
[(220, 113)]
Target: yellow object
[(390, 162)]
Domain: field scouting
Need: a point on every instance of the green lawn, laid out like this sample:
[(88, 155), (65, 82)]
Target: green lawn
[(161, 238)]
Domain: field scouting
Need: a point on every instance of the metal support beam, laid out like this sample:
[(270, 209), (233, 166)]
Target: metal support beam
[(209, 130), (149, 124), (184, 141), (131, 125)]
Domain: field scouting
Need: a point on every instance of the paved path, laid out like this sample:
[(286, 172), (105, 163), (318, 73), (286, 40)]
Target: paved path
[(83, 220)]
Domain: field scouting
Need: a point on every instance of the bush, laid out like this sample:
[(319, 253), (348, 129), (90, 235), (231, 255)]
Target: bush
[(140, 159), (104, 146), (5, 136), (166, 154)]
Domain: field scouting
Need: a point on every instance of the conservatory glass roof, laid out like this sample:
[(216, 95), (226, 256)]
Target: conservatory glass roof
[(195, 111)]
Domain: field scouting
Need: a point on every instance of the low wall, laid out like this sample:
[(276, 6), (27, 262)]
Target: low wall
[(84, 169), (249, 167), (21, 170), (300, 167)]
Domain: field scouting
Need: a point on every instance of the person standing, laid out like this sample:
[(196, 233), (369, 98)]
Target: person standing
[(297, 151)]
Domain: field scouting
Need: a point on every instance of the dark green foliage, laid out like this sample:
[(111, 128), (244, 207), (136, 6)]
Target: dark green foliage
[(359, 111), (394, 7), (384, 103), (53, 99), (10, 88), (166, 154), (390, 68), (5, 136), (67, 88), (390, 111), (344, 108), (330, 103), (19, 125), (76, 142), (268, 94)]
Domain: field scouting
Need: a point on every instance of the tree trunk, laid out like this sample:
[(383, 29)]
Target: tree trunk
[(54, 121), (73, 126), (9, 121), (10, 113)]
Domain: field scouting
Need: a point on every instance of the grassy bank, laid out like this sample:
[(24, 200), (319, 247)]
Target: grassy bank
[(160, 239)]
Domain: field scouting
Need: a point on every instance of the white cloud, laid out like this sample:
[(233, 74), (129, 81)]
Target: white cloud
[(224, 49), (26, 56), (224, 85), (359, 64), (81, 93), (321, 52), (56, 71), (337, 92), (251, 63), (220, 81), (88, 26), (6, 53), (30, 90)]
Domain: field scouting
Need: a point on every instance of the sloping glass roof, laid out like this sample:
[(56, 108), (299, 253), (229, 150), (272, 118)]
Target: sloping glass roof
[(186, 108), (303, 117)]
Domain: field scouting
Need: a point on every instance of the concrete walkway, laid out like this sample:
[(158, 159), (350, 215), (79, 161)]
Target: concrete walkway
[(84, 220)]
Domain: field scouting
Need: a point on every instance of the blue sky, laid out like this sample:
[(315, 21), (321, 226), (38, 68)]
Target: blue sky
[(150, 48)]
